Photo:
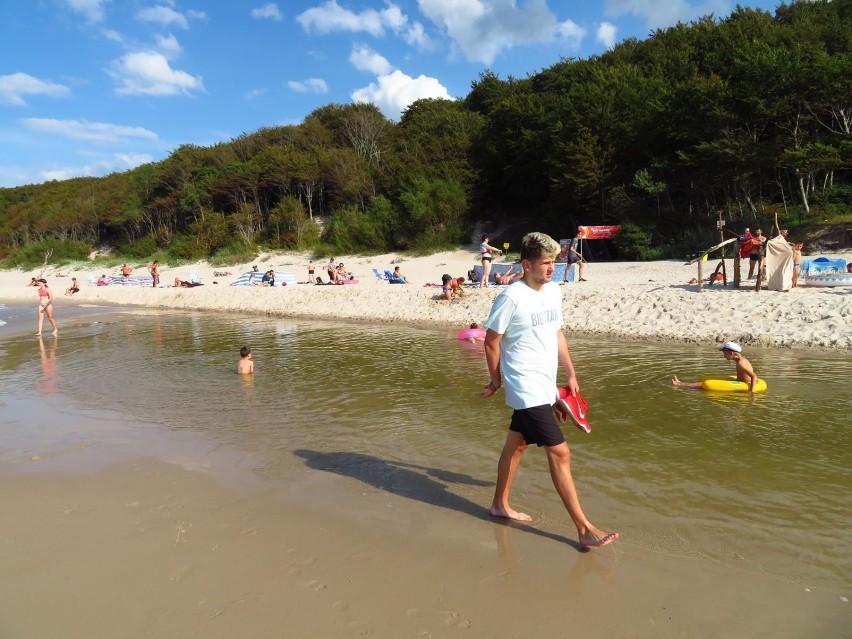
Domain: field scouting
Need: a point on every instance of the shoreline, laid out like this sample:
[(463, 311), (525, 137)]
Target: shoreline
[(629, 300)]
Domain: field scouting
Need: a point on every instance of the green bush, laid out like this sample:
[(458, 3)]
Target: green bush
[(351, 231), (139, 249), (237, 253), (632, 243), (57, 252)]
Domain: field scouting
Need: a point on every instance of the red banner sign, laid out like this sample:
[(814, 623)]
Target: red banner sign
[(598, 232)]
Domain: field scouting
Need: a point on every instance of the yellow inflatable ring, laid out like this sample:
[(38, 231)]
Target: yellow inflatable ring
[(731, 385)]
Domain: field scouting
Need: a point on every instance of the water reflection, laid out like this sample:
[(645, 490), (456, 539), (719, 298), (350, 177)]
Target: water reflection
[(47, 383)]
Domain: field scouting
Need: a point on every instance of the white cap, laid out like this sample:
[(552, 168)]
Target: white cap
[(731, 346)]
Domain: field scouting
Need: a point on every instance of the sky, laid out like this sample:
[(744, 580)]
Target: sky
[(92, 87)]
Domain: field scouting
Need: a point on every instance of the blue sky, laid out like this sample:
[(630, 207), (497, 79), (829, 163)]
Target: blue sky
[(90, 87)]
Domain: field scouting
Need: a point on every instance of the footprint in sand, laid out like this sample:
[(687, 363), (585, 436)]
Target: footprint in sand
[(313, 584)]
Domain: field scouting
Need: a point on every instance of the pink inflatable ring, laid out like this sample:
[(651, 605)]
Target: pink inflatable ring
[(472, 333)]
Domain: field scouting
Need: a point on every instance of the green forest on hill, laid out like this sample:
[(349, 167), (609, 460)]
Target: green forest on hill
[(750, 116)]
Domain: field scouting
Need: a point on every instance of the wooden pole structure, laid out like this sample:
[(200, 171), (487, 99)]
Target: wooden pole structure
[(720, 224)]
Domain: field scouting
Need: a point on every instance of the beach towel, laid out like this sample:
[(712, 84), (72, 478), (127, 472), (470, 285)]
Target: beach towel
[(131, 281), (247, 279), (779, 264), (253, 277)]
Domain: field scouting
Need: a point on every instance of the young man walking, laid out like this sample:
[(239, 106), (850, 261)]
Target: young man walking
[(523, 345)]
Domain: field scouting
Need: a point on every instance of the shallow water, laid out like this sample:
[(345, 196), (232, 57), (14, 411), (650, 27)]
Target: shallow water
[(762, 483)]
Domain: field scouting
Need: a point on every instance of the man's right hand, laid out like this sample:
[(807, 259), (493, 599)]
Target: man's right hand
[(490, 389)]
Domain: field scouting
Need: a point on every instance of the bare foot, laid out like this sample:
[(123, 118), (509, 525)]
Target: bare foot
[(55, 332), (594, 538), (508, 513), (38, 334), (676, 381)]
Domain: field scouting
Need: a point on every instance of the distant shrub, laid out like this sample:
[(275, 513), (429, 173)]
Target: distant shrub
[(633, 243), (140, 249), (237, 253), (58, 252)]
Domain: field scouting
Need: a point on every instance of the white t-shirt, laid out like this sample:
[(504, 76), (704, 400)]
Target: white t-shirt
[(529, 350)]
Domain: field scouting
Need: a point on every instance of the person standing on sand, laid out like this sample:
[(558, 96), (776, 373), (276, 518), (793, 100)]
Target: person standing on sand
[(797, 263), (45, 307), (575, 257), (755, 257), (154, 270), (485, 250), (524, 341)]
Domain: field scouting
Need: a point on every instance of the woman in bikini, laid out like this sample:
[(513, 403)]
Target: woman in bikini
[(485, 250), (45, 307)]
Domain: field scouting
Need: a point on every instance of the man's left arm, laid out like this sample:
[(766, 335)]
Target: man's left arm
[(565, 360)]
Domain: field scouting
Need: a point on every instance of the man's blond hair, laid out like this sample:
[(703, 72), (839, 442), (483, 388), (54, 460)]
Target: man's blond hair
[(537, 245)]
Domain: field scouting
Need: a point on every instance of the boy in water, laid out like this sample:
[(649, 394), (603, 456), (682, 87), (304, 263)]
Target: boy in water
[(245, 366), (733, 353)]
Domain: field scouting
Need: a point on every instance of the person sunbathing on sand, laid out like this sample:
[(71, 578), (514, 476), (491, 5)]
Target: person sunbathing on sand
[(733, 353)]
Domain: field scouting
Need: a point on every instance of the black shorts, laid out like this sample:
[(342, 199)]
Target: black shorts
[(573, 260), (486, 257), (754, 257), (537, 425)]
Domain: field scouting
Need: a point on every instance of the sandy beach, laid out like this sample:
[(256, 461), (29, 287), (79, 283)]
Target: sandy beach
[(648, 300)]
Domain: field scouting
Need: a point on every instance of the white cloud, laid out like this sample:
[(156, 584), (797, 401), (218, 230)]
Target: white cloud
[(664, 13), (606, 34), (162, 15), (330, 17), (92, 10), (311, 85), (267, 12), (101, 165), (115, 36), (393, 93), (255, 93), (364, 58), (416, 36), (169, 46), (148, 73), (16, 86), (482, 29), (90, 131)]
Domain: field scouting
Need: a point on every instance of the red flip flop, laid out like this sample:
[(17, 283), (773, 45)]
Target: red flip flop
[(573, 406)]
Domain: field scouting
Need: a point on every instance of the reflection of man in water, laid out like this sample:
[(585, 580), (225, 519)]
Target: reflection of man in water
[(524, 345), (48, 366)]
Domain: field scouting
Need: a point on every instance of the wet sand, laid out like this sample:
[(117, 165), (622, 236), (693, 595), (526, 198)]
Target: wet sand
[(149, 549)]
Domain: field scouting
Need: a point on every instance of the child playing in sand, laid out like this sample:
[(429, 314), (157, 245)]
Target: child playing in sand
[(245, 366), (733, 353), (451, 287)]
